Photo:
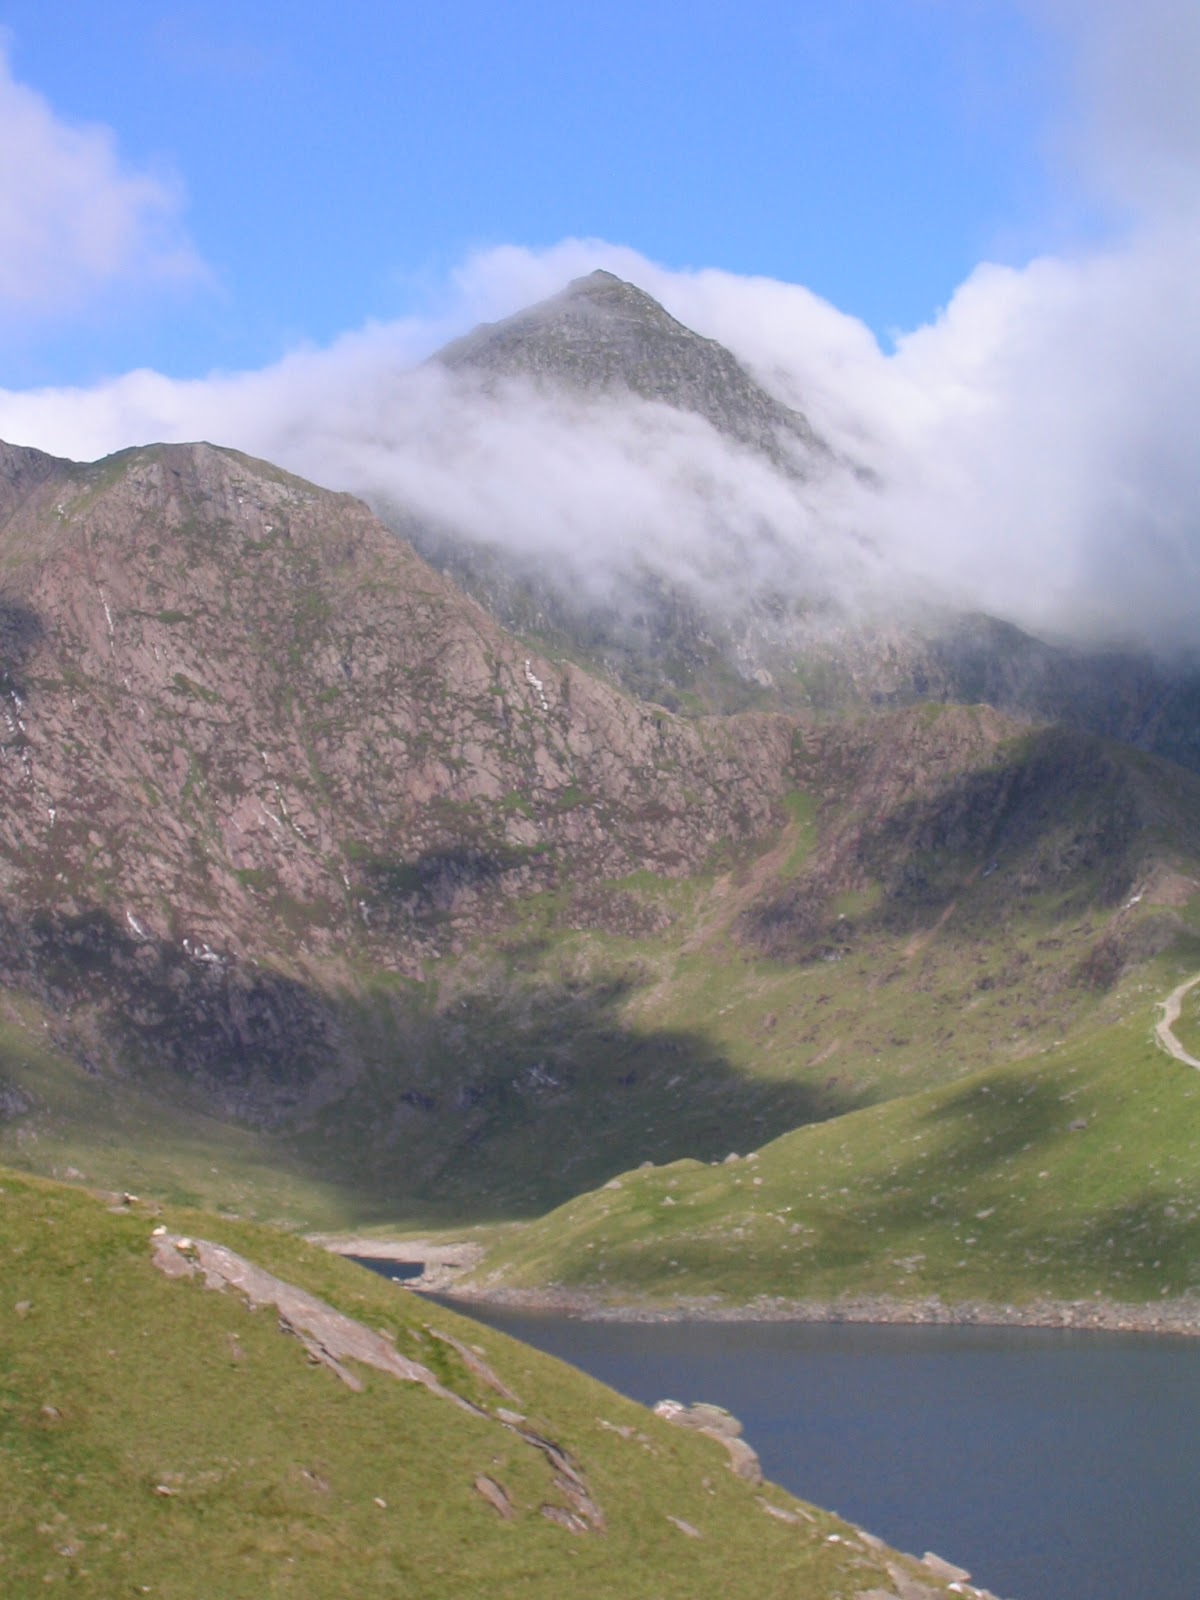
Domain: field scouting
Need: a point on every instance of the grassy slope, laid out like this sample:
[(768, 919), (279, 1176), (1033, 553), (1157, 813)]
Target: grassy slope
[(976, 1190), (121, 1134), (668, 1046), (115, 1381)]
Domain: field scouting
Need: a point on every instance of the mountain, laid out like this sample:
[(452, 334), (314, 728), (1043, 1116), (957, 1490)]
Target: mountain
[(326, 899), (603, 342), (322, 897), (249, 733)]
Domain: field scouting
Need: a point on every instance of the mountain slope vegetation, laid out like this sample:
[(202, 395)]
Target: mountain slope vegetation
[(324, 901), (1070, 1175), (161, 1436)]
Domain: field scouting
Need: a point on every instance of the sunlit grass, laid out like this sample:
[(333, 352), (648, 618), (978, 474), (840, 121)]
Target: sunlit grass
[(160, 1438), (1072, 1173)]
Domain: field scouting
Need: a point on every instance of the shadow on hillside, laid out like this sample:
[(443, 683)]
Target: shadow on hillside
[(251, 1043), (504, 1100), (407, 896), (507, 1100), (21, 631), (1058, 818)]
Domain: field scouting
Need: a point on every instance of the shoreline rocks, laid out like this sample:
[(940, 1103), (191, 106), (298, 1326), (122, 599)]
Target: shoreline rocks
[(1180, 1318)]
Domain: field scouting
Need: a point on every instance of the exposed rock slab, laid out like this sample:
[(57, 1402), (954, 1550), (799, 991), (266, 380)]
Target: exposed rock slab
[(718, 1424), (330, 1337), (333, 1339)]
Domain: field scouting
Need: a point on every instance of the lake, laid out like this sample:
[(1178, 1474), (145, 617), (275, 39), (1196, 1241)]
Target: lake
[(1055, 1465)]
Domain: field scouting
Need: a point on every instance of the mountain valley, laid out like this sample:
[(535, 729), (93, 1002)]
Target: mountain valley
[(328, 899), (712, 950)]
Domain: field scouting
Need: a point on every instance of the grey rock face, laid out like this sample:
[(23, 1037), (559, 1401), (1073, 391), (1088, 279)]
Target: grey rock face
[(602, 334)]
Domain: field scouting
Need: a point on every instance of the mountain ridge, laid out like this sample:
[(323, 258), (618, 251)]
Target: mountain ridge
[(253, 742)]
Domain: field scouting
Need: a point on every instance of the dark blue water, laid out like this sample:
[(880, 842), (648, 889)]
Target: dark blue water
[(398, 1271), (1055, 1465)]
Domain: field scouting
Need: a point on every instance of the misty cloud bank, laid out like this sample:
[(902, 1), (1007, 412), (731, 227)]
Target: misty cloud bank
[(1032, 450), (74, 218)]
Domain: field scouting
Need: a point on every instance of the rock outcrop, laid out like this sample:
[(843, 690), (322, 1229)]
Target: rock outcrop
[(718, 1424), (602, 335)]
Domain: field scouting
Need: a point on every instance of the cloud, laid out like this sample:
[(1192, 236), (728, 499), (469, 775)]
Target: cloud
[(591, 489), (1046, 466), (1133, 127), (74, 219)]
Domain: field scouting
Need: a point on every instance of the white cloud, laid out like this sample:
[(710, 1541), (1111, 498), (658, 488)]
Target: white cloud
[(1034, 446), (1134, 128), (74, 219)]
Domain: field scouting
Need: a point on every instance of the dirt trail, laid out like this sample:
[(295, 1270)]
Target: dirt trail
[(1164, 1030)]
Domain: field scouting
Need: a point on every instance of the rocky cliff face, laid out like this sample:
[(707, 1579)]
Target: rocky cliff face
[(250, 739)]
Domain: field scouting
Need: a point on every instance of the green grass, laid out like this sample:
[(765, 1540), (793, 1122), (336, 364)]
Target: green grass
[(978, 1190), (801, 809), (158, 1437)]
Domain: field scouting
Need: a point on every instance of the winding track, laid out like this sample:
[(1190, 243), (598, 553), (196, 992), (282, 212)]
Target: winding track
[(1164, 1030)]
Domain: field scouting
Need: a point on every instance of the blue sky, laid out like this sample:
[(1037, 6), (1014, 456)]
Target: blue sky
[(331, 164)]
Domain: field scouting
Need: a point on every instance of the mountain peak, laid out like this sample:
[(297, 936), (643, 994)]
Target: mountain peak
[(598, 279), (603, 335), (604, 289)]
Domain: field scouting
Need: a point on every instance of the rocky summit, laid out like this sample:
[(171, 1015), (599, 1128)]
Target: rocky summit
[(603, 335)]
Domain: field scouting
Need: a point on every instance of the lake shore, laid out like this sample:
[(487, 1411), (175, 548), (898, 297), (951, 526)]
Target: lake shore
[(445, 1264), (1176, 1317)]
